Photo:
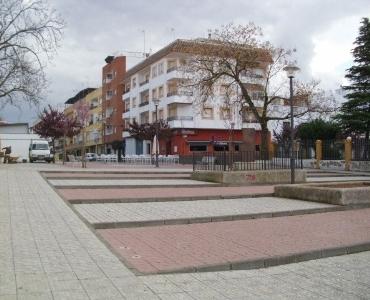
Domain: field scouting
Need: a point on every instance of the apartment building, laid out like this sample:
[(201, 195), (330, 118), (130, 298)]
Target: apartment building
[(92, 130), (112, 106), (161, 77)]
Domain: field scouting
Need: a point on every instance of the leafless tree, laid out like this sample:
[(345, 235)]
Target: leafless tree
[(30, 33), (250, 73)]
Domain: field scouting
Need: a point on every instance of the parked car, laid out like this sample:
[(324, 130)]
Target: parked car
[(91, 156)]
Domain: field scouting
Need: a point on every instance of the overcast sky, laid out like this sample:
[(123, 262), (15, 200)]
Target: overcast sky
[(322, 31)]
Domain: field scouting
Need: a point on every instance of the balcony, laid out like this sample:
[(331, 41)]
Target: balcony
[(180, 118), (144, 103), (170, 69), (177, 93), (144, 82)]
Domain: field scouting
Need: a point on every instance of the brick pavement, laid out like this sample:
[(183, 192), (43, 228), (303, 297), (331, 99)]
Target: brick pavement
[(50, 175), (240, 244), (199, 211), (47, 252), (86, 183), (153, 194)]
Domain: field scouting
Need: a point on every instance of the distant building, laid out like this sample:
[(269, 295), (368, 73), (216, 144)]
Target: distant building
[(113, 74)]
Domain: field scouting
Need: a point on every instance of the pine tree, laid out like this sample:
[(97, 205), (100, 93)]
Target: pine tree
[(354, 115)]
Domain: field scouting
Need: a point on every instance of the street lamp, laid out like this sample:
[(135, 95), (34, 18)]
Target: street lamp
[(156, 103), (291, 69)]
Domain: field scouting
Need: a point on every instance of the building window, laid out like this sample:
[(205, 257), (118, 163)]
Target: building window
[(257, 95), (225, 113), (109, 77), (133, 102), (133, 82), (160, 92), (154, 71), (221, 147), (207, 113), (109, 94), (154, 94), (194, 148), (160, 68)]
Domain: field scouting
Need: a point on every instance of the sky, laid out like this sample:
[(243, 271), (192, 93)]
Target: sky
[(322, 31)]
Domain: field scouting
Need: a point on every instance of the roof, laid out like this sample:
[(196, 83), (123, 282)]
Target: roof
[(4, 123), (80, 95), (186, 46)]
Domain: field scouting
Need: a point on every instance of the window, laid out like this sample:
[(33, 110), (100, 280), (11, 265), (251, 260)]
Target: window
[(133, 82), (160, 92), (133, 102), (40, 147), (109, 95), (154, 94), (194, 148), (109, 77), (207, 113), (221, 147), (257, 95), (154, 71), (225, 113), (160, 68), (223, 89)]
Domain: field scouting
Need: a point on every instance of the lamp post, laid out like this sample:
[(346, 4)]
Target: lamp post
[(156, 103), (291, 69)]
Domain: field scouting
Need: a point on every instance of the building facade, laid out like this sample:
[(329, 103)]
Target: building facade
[(208, 128), (113, 74)]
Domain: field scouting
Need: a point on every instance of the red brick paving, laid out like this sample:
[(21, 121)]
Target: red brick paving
[(166, 248), (107, 175), (129, 193)]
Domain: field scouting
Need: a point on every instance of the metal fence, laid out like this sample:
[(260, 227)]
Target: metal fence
[(361, 150), (244, 160), (332, 150)]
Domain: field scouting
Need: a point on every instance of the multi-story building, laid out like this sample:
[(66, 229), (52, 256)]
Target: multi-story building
[(88, 97), (209, 128), (112, 89), (94, 126)]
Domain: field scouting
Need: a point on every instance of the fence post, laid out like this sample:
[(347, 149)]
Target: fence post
[(193, 161), (318, 144), (347, 153)]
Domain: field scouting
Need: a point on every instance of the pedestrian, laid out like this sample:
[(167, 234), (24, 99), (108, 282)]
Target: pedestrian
[(8, 150)]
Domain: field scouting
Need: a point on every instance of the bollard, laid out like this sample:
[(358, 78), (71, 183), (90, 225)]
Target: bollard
[(318, 144), (347, 153)]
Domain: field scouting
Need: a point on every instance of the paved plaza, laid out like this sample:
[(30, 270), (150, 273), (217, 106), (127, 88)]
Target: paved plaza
[(176, 212), (48, 252), (52, 175)]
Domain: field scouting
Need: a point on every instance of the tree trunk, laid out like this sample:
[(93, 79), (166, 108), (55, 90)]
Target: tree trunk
[(64, 149), (265, 139), (83, 152)]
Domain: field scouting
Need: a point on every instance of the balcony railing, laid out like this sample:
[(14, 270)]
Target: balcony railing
[(144, 82), (177, 93), (144, 103), (180, 118), (170, 69)]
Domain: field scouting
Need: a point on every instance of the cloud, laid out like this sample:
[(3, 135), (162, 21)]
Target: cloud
[(320, 30)]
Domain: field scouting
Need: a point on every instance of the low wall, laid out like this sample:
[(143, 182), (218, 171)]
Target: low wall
[(333, 193), (249, 177)]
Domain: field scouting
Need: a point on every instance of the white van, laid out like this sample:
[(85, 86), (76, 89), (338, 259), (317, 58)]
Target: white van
[(40, 150)]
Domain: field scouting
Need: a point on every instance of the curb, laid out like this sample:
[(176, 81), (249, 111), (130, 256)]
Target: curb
[(166, 199), (210, 219), (271, 261)]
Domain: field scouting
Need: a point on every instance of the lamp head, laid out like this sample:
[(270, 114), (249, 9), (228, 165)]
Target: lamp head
[(290, 70)]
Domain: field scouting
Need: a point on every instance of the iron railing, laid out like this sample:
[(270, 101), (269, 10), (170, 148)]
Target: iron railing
[(243, 161), (361, 149)]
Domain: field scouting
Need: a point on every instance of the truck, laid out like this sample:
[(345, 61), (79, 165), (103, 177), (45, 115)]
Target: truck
[(40, 150)]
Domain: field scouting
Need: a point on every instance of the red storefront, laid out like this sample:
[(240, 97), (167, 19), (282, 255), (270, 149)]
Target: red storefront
[(187, 141)]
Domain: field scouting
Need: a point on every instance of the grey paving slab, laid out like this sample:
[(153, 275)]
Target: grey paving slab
[(126, 182), (186, 211)]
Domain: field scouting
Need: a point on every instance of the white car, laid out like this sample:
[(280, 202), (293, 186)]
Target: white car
[(91, 156)]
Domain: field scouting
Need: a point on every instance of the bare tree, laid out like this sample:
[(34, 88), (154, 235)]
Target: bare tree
[(30, 32), (250, 73)]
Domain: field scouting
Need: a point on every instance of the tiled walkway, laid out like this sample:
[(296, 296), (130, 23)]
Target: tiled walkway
[(47, 252), (113, 175), (236, 244), (129, 214)]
